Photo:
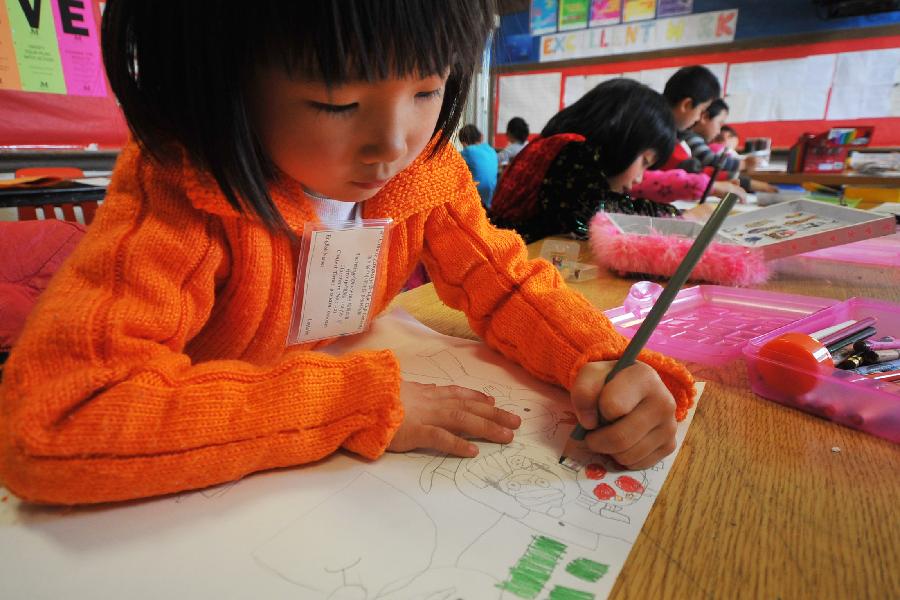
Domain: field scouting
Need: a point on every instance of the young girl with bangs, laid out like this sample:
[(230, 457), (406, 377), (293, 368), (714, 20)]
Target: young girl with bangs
[(157, 361)]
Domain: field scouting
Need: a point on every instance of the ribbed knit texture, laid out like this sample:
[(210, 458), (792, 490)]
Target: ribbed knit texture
[(155, 361)]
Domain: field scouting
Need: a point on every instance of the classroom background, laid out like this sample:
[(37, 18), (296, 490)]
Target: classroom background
[(784, 67)]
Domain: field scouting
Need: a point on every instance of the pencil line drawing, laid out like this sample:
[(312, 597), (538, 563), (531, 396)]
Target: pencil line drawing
[(414, 526), (338, 548)]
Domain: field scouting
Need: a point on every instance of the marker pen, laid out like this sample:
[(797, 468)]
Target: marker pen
[(879, 368)]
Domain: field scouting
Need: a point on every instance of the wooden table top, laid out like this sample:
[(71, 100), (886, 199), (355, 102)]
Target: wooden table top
[(842, 178), (760, 503)]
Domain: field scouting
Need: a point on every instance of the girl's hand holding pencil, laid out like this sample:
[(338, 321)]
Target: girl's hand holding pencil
[(636, 403), (437, 417)]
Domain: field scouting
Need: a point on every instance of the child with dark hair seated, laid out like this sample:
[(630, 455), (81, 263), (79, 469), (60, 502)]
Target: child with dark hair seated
[(587, 157), (689, 93)]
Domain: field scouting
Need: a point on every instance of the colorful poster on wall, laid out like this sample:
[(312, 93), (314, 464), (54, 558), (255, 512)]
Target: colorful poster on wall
[(51, 46), (638, 10), (37, 53), (698, 29), (573, 14), (605, 12), (79, 48), (9, 70), (671, 8), (543, 16)]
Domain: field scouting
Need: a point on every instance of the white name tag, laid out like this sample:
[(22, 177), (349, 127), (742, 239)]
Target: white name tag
[(336, 276)]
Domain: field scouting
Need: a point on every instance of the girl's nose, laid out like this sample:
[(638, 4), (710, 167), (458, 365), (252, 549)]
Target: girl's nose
[(387, 143)]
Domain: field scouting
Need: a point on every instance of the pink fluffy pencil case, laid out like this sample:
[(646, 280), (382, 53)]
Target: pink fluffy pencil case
[(639, 245)]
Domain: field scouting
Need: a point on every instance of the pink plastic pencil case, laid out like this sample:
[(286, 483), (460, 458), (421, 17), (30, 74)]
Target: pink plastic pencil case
[(714, 325)]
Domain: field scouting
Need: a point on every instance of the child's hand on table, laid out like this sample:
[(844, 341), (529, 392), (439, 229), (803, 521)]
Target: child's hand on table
[(436, 416), (639, 407), (720, 188)]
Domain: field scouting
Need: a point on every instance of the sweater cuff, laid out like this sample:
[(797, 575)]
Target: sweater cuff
[(383, 410)]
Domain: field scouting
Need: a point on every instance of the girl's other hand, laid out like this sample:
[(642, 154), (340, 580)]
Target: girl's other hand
[(436, 417), (762, 186), (720, 188), (639, 407)]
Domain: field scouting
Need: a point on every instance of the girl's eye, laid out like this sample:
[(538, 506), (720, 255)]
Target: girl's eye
[(432, 94), (335, 109)]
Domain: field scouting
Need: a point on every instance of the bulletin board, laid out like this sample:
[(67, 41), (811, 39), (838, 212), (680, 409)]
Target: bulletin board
[(53, 88), (777, 92)]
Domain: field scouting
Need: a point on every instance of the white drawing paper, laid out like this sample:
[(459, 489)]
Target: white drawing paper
[(511, 523)]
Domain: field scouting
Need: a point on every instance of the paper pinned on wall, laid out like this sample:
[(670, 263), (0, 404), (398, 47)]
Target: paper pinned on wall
[(862, 102), (809, 73), (535, 98), (779, 90), (865, 85), (510, 523), (867, 68), (577, 86)]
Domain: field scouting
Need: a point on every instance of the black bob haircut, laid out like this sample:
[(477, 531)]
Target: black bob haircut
[(470, 134), (697, 83), (182, 70), (716, 107), (517, 128), (622, 118)]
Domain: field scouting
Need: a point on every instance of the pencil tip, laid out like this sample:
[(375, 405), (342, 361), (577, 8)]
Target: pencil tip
[(570, 463)]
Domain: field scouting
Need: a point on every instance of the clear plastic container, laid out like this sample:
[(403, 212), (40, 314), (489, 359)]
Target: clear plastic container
[(713, 325), (840, 396), (710, 324)]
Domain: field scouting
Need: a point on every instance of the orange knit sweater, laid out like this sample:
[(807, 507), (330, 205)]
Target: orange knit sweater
[(155, 362)]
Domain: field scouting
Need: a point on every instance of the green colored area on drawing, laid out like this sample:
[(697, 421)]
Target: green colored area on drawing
[(561, 592), (533, 570), (586, 569)]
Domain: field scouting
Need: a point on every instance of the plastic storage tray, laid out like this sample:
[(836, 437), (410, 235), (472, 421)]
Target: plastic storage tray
[(710, 324), (713, 325), (841, 396)]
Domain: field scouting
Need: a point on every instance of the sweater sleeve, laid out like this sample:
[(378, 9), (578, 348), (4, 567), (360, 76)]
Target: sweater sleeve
[(702, 152), (522, 307), (100, 402), (671, 185)]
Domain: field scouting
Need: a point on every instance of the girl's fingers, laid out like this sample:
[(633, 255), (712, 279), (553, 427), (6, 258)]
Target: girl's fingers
[(449, 392), (629, 430), (635, 385), (654, 457), (437, 438), (461, 422), (659, 442), (585, 391), (491, 413)]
